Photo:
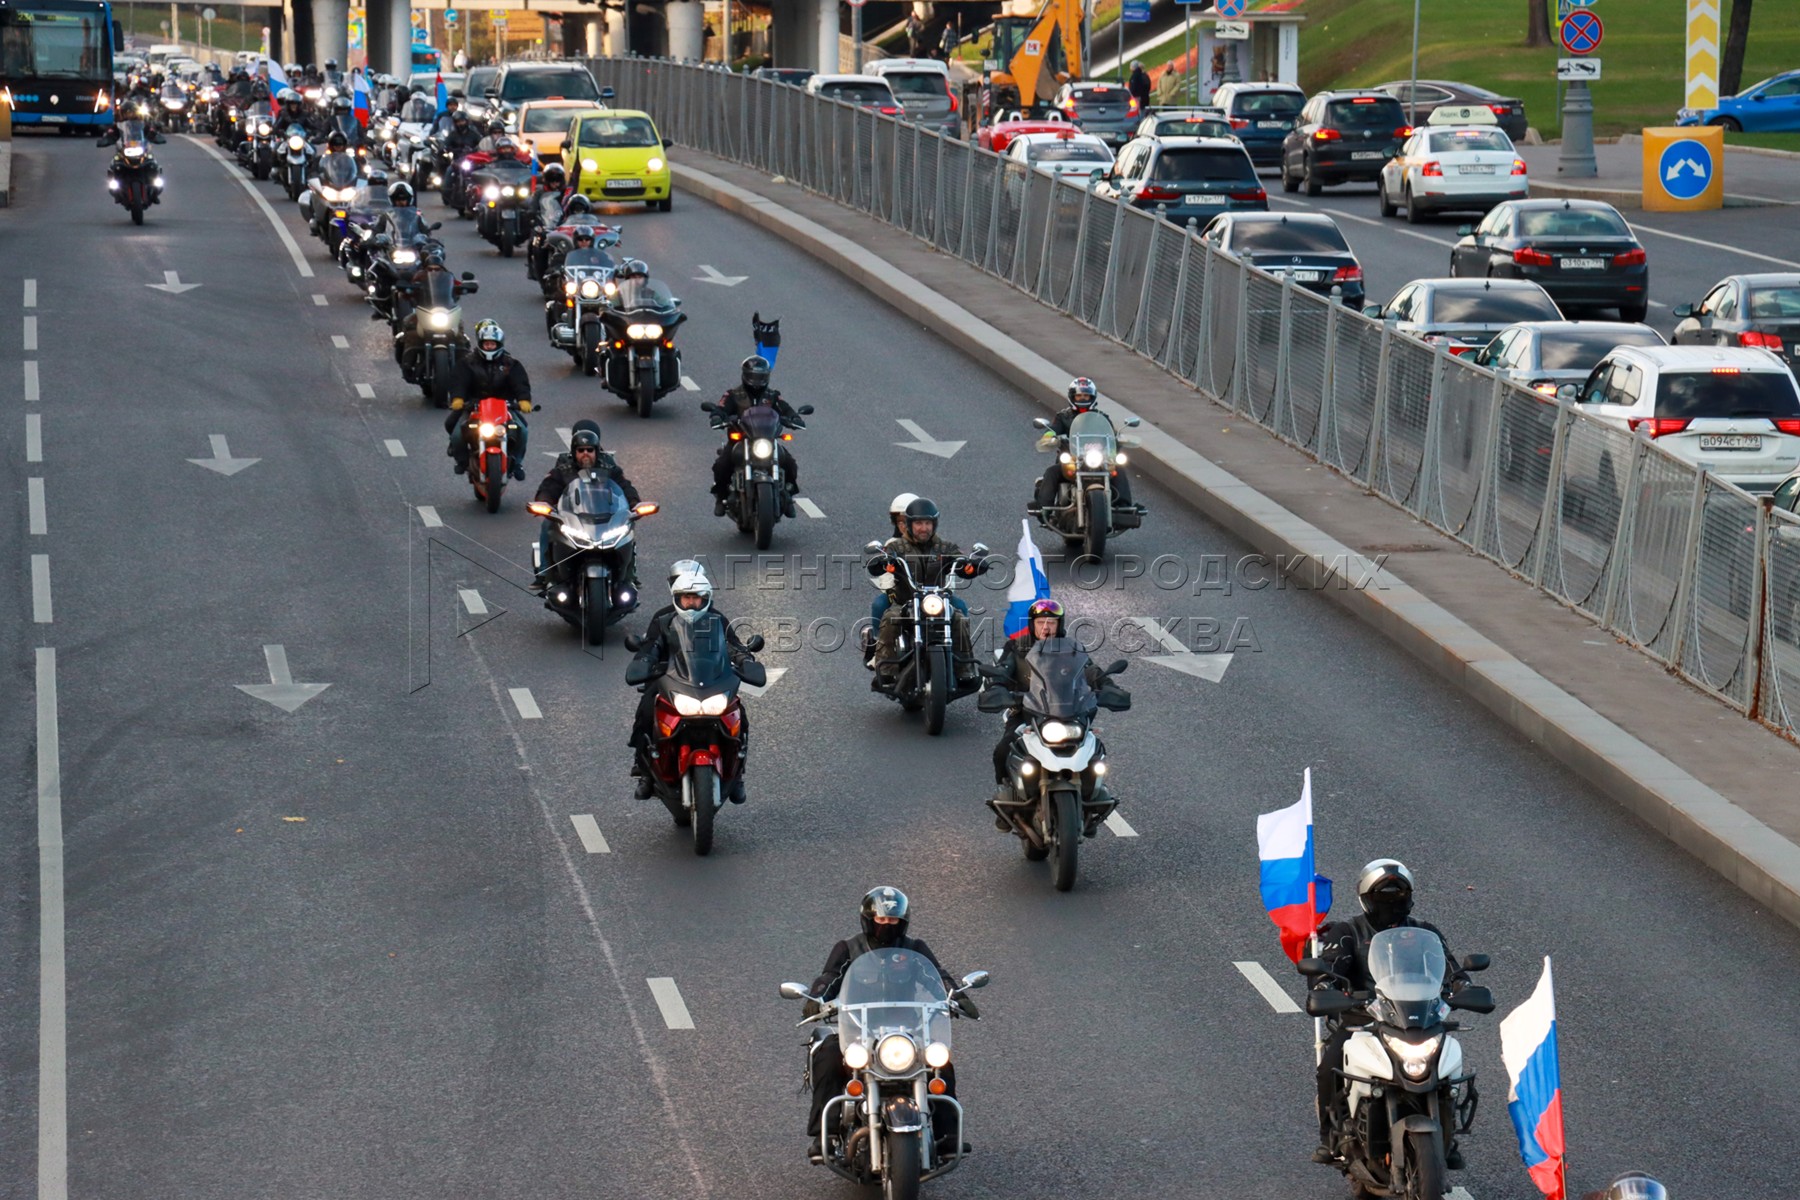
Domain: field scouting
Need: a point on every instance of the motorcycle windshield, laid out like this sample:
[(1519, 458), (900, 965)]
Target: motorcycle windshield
[(338, 171), (1408, 966), (1058, 684), (418, 110), (644, 295), (439, 290), (760, 421), (595, 500), (408, 223), (131, 133), (588, 258), (699, 654), (893, 992), (1091, 440)]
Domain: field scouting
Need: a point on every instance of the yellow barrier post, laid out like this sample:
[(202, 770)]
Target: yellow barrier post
[(1684, 169)]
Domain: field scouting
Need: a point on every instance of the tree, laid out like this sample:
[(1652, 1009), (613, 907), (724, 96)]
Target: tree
[(1731, 61), (1537, 22)]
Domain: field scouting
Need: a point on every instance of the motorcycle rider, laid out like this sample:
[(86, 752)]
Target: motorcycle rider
[(584, 454), (331, 75), (546, 214), (290, 111), (928, 557), (879, 605), (753, 388), (1083, 397), (444, 121), (583, 253), (488, 370), (1385, 890), (343, 120), (459, 143), (885, 913), (496, 130), (1633, 1185), (690, 594), (402, 221), (337, 156)]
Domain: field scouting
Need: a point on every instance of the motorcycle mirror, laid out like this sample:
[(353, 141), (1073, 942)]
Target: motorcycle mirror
[(979, 548), (754, 643), (633, 642), (793, 991), (433, 228), (1473, 999), (975, 979), (468, 277), (707, 406), (1132, 423), (993, 700), (754, 674), (1118, 665), (470, 287), (805, 410), (1041, 422), (872, 548), (1311, 967), (1328, 1004), (607, 93), (1476, 962), (645, 509)]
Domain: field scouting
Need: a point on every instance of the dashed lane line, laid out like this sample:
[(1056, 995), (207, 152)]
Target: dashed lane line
[(588, 830), (395, 449), (31, 381), (31, 334), (287, 239), (34, 438), (687, 381), (1721, 246), (668, 999), (1119, 825), (31, 293), (40, 589), (340, 341), (528, 709), (320, 299), (472, 601), (428, 515), (1265, 984), (809, 508), (1387, 225), (53, 1025), (365, 391), (34, 494)]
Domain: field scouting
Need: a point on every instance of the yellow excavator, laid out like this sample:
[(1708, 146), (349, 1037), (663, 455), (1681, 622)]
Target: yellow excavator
[(1032, 56)]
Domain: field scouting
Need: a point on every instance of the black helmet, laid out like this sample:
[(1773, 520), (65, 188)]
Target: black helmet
[(884, 902), (458, 116), (337, 140), (585, 436), (496, 125), (578, 203), (1385, 889), (1083, 394), (312, 68), (583, 235), (341, 105), (921, 510), (1044, 608), (331, 64), (1635, 1185), (634, 267), (555, 177), (756, 376)]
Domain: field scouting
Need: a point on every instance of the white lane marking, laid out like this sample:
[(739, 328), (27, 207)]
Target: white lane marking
[(340, 341), (287, 239), (772, 678), (31, 293), (668, 999), (473, 602), (565, 432), (588, 830), (395, 449), (1459, 1193), (40, 589), (53, 1023), (809, 508), (34, 438), (365, 391), (320, 299), (1334, 214), (428, 515), (34, 493), (31, 380), (687, 381), (1263, 983), (1119, 825), (31, 333), (1682, 237), (521, 698)]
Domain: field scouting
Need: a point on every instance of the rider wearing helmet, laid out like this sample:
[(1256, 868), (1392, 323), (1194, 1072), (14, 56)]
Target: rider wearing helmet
[(1385, 891), (584, 454), (488, 370), (928, 557), (753, 388), (496, 131), (879, 605), (460, 136), (291, 109), (885, 914), (336, 161), (1633, 1185), (1084, 397)]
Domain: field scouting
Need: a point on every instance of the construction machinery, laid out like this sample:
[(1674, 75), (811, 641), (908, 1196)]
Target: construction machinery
[(1032, 56)]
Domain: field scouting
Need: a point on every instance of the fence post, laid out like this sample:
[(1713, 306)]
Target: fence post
[(1429, 467), (937, 200), (1076, 270), (1110, 282), (1130, 336), (1278, 397), (1037, 285), (1759, 606), (1239, 382), (1171, 347), (991, 260), (1487, 508), (1618, 563), (1550, 514), (1684, 590), (1327, 423), (1203, 343), (1384, 366)]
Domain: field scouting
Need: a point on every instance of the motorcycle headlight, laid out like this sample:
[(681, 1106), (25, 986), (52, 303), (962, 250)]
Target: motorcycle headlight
[(1415, 1057), (439, 319), (331, 93), (933, 606), (590, 289), (936, 1055), (134, 152), (1055, 733), (264, 129), (405, 258), (856, 1056), (415, 139), (714, 706), (762, 448), (112, 185), (687, 706), (312, 93), (655, 164), (296, 143), (157, 183), (490, 192), (569, 288), (1093, 458), (897, 1052), (174, 104), (507, 190), (1065, 458), (1119, 459), (643, 333), (488, 430)]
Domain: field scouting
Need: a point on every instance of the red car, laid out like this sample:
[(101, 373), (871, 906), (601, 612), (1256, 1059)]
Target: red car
[(1009, 125)]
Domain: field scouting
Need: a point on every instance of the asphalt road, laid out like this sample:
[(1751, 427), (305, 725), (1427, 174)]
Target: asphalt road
[(361, 950)]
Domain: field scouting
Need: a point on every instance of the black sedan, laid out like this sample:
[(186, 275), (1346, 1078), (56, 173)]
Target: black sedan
[(1308, 245), (1433, 93), (1580, 251), (1745, 310)]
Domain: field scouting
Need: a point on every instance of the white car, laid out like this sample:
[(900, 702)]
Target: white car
[(1061, 155), (1446, 167)]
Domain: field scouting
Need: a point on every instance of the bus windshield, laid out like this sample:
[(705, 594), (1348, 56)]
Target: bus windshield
[(54, 41)]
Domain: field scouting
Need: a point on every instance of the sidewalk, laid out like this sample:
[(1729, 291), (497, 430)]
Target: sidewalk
[(1658, 746), (1751, 180)]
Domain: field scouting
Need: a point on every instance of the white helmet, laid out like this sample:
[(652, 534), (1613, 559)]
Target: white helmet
[(897, 509), (691, 583), (686, 566)]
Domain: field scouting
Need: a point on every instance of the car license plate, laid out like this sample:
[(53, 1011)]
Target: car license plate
[(54, 119), (1203, 199), (1475, 170), (624, 183), (1582, 264), (1308, 276), (1362, 154), (1271, 124), (1730, 441)]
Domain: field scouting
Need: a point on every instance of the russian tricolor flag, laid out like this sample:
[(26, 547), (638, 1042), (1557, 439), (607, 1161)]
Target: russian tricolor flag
[(443, 93), (1029, 583), (277, 77), (1528, 1048), (359, 97), (1297, 898)]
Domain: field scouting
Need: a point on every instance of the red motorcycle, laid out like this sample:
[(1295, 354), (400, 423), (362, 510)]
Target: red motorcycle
[(489, 430)]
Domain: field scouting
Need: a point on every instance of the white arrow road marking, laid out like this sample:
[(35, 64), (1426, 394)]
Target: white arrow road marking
[(34, 438), (1210, 667), (1119, 825), (221, 461), (53, 1021), (775, 674), (473, 602), (287, 239), (365, 391), (40, 589), (172, 284), (395, 449), (588, 830), (809, 508), (320, 300), (31, 293), (712, 276), (34, 496), (521, 698), (668, 999), (340, 341), (31, 333), (281, 690), (925, 442), (31, 381), (565, 432), (1271, 991), (429, 518), (687, 381)]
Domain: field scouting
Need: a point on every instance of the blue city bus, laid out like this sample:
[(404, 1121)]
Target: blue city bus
[(56, 62)]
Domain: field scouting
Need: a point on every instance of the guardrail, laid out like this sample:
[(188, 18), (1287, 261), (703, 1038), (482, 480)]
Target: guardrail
[(1696, 573)]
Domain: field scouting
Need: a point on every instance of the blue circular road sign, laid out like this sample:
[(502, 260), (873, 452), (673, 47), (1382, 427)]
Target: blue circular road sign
[(450, 16), (1685, 169), (1229, 8)]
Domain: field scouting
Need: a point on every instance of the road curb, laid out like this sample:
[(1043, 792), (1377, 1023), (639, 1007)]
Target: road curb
[(1695, 817)]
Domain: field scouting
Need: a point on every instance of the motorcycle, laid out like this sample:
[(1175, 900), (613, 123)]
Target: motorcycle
[(574, 321), (498, 192), (257, 150), (386, 260), (206, 109), (1091, 453), (431, 334), (642, 364), (549, 250), (925, 651), (1406, 1085), (297, 155), (174, 103), (894, 1127), (588, 582), (696, 750), (489, 432), (757, 492), (133, 178), (328, 200), (406, 152), (1056, 765)]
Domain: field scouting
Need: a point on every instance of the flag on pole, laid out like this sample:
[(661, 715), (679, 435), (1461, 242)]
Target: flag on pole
[(1534, 1100), (1029, 583), (1297, 898), (359, 97), (277, 78), (443, 93)]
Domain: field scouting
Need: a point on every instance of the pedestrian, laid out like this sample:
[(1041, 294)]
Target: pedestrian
[(1139, 86), (460, 62), (915, 34), (948, 45)]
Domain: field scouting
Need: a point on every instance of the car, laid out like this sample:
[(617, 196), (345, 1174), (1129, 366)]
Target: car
[(1261, 115), (1187, 122), (1772, 106), (1464, 314), (922, 85), (1342, 137), (796, 76), (1581, 251), (1103, 109), (1190, 176), (455, 82), (476, 85), (1059, 155), (1308, 246), (1745, 310), (1008, 125), (518, 82), (864, 91), (1445, 167), (1544, 355), (1732, 411), (544, 124), (617, 154), (1422, 102)]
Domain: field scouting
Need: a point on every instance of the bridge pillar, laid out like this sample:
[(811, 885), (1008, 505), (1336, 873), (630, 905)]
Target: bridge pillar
[(615, 38), (399, 62), (331, 32), (687, 29), (826, 13)]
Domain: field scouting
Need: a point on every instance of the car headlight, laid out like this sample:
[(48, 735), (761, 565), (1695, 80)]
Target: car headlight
[(1415, 1057), (655, 164), (507, 190), (762, 448), (856, 1056), (933, 606), (936, 1055), (490, 192), (588, 164), (405, 258), (687, 706), (439, 319), (897, 1052), (1093, 458), (1055, 733), (590, 289)]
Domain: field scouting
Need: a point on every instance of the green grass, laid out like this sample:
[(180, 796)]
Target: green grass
[(1353, 43)]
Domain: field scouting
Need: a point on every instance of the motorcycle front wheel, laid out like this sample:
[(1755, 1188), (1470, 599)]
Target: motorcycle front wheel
[(765, 515), (646, 394), (493, 475), (900, 1174), (593, 611), (937, 694), (703, 790), (1429, 1176), (137, 213), (1065, 839)]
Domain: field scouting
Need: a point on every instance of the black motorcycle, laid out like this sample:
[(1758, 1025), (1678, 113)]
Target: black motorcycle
[(500, 191), (133, 178), (642, 364), (257, 151), (592, 545), (925, 657), (296, 159), (430, 333), (757, 492), (1090, 455)]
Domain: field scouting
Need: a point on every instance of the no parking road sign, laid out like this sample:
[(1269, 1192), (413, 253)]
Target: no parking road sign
[(1229, 8), (1581, 32)]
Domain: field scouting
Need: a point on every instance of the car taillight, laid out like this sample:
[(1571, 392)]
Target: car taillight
[(1525, 256), (1405, 131), (1766, 341), (1518, 166), (1239, 123), (1658, 426), (955, 105), (1257, 196), (888, 110), (1631, 258), (1348, 275), (1432, 168), (1789, 425), (1324, 135), (1499, 110), (1545, 387), (1151, 192)]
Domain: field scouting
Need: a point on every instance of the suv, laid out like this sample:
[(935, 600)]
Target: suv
[(1190, 175), (519, 82), (922, 85), (1261, 114), (864, 91), (1342, 137), (1102, 109)]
